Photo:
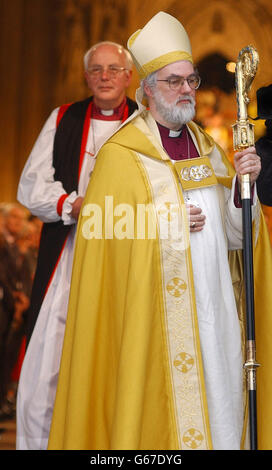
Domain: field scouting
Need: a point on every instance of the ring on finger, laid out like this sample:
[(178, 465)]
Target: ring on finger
[(193, 224)]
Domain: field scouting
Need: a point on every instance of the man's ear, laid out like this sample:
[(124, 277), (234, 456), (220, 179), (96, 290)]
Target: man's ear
[(129, 77), (148, 90), (86, 76)]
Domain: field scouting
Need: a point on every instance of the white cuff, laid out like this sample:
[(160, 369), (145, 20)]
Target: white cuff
[(67, 208)]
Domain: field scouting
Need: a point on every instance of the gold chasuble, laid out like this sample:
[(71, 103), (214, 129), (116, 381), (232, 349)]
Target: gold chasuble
[(131, 374)]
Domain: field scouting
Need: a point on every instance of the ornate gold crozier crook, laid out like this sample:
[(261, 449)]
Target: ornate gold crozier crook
[(243, 137)]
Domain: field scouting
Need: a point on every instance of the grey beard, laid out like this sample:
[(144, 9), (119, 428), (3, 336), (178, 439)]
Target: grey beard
[(173, 113)]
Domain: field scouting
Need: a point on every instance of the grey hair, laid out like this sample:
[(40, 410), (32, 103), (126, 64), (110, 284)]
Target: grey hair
[(129, 61), (150, 81)]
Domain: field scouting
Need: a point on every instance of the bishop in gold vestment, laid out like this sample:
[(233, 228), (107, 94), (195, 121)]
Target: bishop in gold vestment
[(153, 349)]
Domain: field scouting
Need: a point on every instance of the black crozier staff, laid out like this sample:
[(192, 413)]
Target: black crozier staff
[(243, 137)]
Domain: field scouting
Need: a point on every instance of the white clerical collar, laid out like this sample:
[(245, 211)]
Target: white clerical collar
[(173, 133), (107, 112)]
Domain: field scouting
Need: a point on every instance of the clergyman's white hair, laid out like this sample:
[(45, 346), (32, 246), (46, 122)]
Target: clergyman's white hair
[(129, 61)]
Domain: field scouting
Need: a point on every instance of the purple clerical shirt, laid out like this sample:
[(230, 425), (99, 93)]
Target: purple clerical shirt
[(178, 144)]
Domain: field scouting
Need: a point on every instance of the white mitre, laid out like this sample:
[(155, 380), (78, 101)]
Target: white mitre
[(162, 41)]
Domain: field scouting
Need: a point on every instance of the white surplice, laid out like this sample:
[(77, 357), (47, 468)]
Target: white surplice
[(219, 328)]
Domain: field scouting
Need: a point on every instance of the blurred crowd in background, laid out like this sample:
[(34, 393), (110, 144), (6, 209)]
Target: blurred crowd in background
[(19, 241)]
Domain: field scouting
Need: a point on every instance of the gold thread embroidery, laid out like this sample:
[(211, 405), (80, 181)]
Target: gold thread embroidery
[(193, 438), (176, 287), (184, 362)]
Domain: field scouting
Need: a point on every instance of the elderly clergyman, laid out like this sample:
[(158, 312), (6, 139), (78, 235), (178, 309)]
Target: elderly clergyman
[(153, 356), (52, 187)]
